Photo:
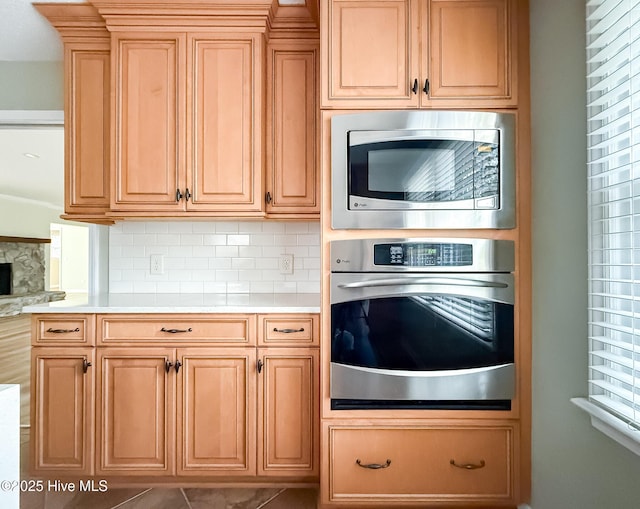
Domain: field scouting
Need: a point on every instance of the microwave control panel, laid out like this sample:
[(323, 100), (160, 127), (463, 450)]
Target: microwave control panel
[(421, 254)]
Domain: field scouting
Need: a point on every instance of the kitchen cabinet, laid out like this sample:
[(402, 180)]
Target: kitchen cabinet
[(288, 395), (292, 170), (140, 413), (188, 113), (421, 463), (86, 110), (419, 53), (177, 395), (62, 393)]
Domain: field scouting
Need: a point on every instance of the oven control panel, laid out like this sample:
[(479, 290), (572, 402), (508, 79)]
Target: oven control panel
[(422, 254)]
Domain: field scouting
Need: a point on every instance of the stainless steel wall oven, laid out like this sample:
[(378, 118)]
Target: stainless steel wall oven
[(422, 323), (423, 169)]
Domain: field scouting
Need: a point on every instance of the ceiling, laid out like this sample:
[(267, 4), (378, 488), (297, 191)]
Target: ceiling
[(26, 36)]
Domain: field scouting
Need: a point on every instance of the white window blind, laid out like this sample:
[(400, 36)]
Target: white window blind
[(613, 111)]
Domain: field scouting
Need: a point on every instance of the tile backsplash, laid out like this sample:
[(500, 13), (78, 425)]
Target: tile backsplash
[(214, 257)]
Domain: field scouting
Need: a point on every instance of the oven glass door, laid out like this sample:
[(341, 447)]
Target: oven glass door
[(440, 337), (423, 170)]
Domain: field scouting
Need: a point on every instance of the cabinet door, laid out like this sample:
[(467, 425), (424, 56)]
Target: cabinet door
[(371, 53), (62, 410), (87, 106), (216, 412), (288, 412), (292, 133), (470, 56), (149, 116), (136, 413), (225, 140)]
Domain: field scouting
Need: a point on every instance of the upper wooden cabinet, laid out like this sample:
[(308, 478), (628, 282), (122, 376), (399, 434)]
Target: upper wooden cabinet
[(187, 122), (86, 109), (292, 170), (419, 53)]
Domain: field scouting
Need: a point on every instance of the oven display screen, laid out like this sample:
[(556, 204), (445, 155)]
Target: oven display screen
[(418, 254)]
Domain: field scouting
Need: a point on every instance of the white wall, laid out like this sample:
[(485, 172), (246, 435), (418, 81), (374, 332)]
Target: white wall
[(574, 466), (26, 218), (214, 257)]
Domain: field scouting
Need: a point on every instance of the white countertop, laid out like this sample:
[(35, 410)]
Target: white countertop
[(182, 303)]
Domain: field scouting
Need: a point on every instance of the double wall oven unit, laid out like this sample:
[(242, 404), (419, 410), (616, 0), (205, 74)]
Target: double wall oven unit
[(423, 169), (422, 323)]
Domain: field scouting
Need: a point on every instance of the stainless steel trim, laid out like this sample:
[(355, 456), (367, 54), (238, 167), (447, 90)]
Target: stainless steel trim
[(365, 137), (343, 217), (487, 383), (401, 281), (371, 204), (356, 255), (346, 287)]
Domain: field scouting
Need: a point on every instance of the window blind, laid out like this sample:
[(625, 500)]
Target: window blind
[(613, 130)]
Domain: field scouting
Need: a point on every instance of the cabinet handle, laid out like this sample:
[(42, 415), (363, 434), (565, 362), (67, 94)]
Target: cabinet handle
[(259, 365), (178, 195), (269, 198), (426, 86), (85, 365), (373, 466), (288, 331), (468, 466), (62, 331), (167, 365), (176, 331), (187, 194), (178, 364), (414, 88)]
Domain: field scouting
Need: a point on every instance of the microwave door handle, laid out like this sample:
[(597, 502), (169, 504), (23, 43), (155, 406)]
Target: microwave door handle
[(422, 281)]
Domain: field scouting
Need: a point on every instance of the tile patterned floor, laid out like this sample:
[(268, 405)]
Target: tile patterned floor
[(162, 498)]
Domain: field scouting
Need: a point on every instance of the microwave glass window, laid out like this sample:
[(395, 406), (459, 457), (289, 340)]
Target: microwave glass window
[(412, 171), (424, 171), (422, 333)]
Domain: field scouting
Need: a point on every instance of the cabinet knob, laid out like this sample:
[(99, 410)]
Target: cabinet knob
[(85, 365), (178, 195), (414, 88), (259, 365), (425, 89), (269, 198), (187, 194), (167, 365), (178, 364)]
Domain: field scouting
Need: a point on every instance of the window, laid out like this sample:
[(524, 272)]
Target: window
[(613, 130)]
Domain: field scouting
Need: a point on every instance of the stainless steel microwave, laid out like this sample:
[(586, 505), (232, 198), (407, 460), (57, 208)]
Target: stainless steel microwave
[(423, 169)]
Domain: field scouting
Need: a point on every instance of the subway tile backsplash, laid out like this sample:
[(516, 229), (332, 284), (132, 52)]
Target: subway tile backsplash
[(214, 257)]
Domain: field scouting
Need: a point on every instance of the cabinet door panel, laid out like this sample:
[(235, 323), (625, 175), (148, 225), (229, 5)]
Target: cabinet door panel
[(216, 417), (470, 49), (136, 408), (148, 84), (62, 410), (287, 429), (372, 56), (225, 104), (292, 134), (87, 104)]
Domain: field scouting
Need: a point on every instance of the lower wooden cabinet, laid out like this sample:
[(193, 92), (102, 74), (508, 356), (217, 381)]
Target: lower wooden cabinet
[(62, 404), (421, 464), (232, 413)]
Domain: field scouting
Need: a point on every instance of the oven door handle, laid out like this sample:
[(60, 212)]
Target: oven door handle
[(422, 281)]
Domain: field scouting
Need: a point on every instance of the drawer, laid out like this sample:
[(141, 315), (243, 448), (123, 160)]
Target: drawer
[(232, 329), (421, 464), (62, 330), (288, 330)]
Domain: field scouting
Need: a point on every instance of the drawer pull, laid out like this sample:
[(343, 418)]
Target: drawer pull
[(468, 466), (373, 466), (288, 331), (176, 331), (63, 331)]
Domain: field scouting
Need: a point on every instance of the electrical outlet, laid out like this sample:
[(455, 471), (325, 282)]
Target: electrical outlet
[(286, 264), (157, 264)]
